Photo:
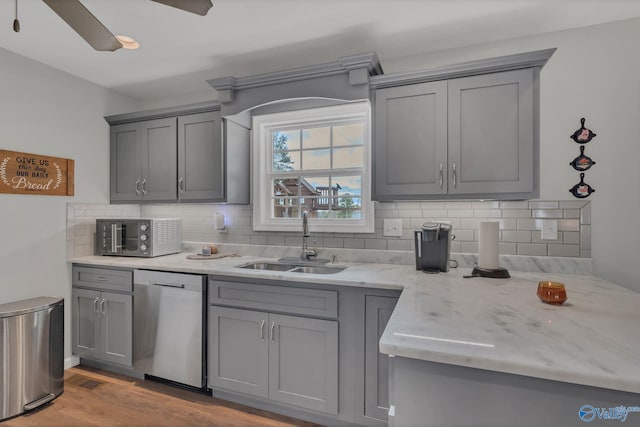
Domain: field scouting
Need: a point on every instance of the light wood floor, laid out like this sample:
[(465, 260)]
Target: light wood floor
[(97, 398)]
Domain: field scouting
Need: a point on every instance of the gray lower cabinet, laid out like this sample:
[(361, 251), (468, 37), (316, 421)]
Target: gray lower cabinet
[(102, 314), (378, 310), (102, 326), (286, 359), (144, 161), (467, 137)]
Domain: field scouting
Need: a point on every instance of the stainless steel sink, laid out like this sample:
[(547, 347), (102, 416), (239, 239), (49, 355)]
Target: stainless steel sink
[(293, 268), (271, 266), (318, 269)]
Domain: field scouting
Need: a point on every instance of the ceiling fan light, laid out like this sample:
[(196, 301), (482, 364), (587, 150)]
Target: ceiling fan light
[(128, 42)]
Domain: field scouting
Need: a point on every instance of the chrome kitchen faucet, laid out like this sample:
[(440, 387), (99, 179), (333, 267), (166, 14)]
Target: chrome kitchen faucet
[(306, 252)]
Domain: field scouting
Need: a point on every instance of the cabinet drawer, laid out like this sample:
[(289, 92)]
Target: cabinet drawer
[(103, 279), (311, 302)]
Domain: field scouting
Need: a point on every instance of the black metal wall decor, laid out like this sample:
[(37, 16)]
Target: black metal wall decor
[(582, 189), (583, 135), (583, 162)]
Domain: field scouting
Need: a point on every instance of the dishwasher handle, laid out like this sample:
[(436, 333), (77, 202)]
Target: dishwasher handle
[(169, 285)]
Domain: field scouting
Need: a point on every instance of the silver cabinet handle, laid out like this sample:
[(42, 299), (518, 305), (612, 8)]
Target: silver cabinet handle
[(262, 330), (455, 176), (95, 305), (271, 335), (441, 175), (102, 305), (138, 187), (101, 279), (144, 183), (181, 184)]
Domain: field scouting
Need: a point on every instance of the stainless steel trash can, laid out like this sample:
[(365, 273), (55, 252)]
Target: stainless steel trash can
[(31, 354)]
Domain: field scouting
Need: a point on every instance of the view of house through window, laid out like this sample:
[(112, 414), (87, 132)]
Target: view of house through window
[(335, 193), (316, 164)]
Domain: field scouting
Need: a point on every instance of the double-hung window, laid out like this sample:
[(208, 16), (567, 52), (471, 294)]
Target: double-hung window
[(315, 160)]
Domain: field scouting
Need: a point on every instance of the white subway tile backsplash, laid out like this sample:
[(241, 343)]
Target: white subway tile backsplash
[(523, 204), (543, 205), (564, 250), (520, 222), (487, 213), (516, 236), (547, 213), (532, 249), (516, 213)]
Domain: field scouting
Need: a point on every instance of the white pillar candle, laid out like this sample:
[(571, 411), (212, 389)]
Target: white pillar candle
[(488, 245)]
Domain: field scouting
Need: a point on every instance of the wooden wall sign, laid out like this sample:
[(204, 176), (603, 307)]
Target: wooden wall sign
[(25, 173)]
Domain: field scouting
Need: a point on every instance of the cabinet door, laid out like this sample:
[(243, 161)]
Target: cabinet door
[(85, 322), (116, 328), (410, 158), (376, 380), (200, 157), (303, 362), (491, 145), (126, 166), (158, 151), (238, 350)]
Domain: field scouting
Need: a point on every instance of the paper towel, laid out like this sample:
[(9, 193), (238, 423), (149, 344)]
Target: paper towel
[(488, 245)]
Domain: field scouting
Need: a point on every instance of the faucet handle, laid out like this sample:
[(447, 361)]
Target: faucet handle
[(334, 259)]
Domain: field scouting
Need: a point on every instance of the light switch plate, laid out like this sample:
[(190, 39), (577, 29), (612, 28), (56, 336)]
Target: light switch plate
[(549, 229), (392, 227)]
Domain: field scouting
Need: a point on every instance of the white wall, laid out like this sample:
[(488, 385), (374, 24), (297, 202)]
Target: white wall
[(45, 111), (595, 73)]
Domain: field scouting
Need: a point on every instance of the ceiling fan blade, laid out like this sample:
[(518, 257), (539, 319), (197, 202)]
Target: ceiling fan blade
[(199, 7), (85, 24)]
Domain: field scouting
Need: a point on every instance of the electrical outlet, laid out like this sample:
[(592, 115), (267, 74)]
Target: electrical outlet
[(549, 229), (392, 227)]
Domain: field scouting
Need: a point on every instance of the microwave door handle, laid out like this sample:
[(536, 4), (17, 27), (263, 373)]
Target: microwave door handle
[(114, 238)]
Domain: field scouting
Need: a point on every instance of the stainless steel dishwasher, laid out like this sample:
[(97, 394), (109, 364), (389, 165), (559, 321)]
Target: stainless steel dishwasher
[(169, 327)]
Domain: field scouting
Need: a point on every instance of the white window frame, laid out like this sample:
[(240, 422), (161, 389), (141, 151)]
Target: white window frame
[(262, 145)]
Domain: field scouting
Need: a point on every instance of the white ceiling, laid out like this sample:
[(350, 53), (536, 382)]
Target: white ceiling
[(179, 50)]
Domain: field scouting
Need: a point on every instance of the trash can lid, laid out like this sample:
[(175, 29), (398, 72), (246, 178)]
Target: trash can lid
[(26, 306)]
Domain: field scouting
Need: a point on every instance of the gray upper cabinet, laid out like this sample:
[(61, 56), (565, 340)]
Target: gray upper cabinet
[(491, 125), (200, 157), (462, 131), (188, 154), (410, 141), (144, 161)]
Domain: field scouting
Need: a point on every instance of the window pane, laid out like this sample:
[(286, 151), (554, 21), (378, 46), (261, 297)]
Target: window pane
[(349, 208), (324, 214), (347, 185), (286, 207), (286, 140), (316, 159), (285, 187), (316, 137), (286, 161), (352, 134), (352, 157)]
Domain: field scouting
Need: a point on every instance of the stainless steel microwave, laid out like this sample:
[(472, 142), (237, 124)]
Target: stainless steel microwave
[(138, 237)]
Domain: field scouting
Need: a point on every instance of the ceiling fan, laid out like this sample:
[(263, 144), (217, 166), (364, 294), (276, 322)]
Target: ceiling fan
[(97, 35)]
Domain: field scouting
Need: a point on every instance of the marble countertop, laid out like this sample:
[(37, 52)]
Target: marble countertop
[(492, 324)]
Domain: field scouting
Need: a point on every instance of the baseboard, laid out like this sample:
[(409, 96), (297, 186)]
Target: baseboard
[(71, 361)]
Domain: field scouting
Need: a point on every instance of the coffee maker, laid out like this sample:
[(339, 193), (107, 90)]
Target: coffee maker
[(433, 247)]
